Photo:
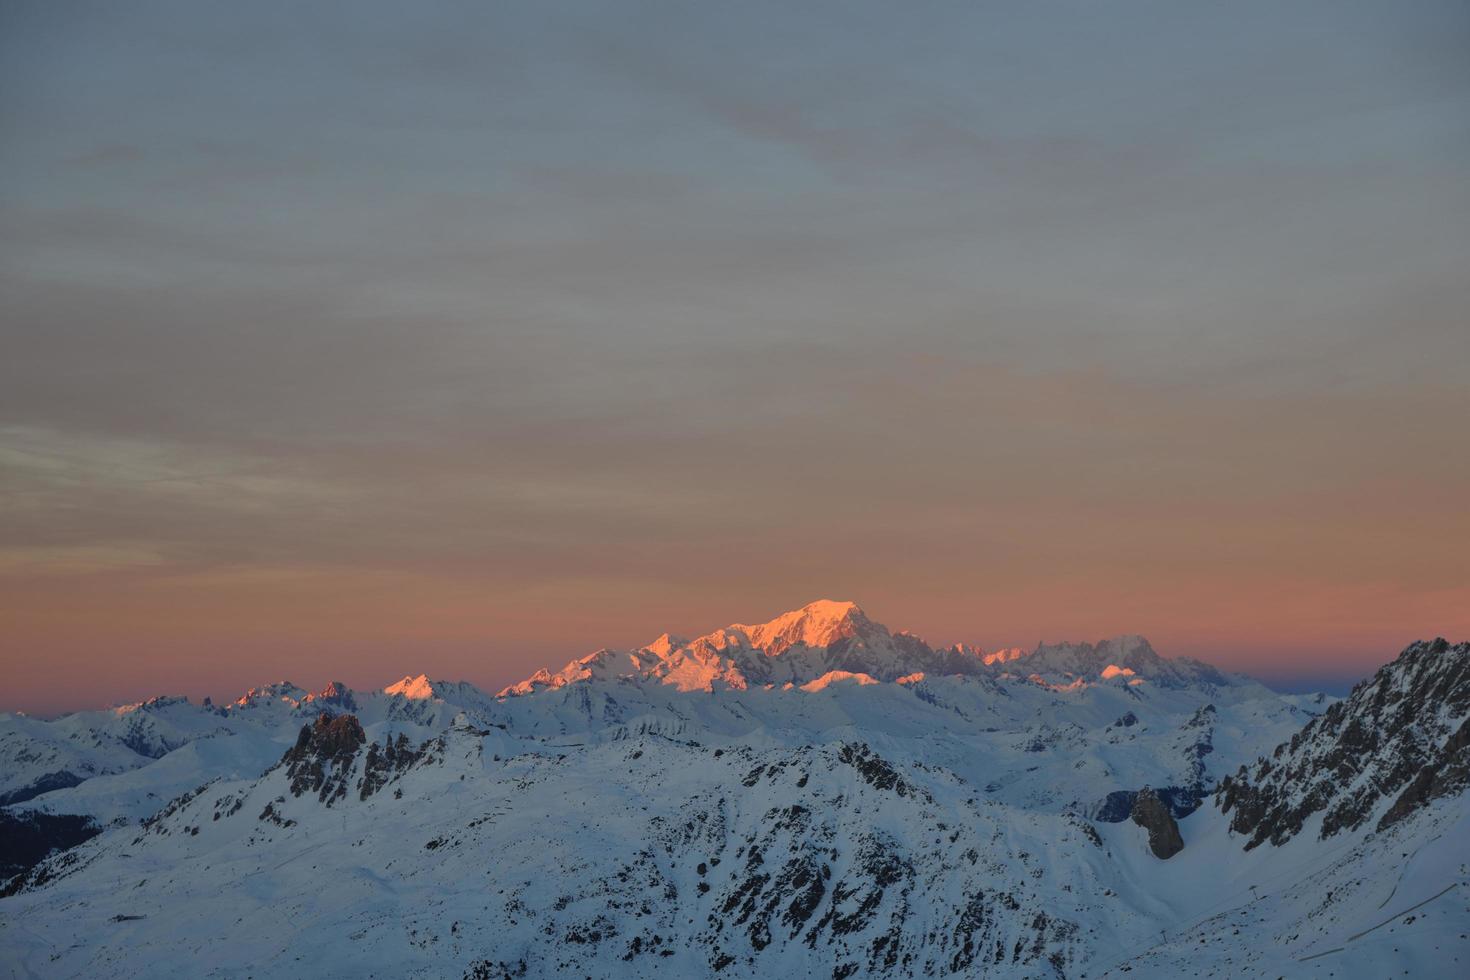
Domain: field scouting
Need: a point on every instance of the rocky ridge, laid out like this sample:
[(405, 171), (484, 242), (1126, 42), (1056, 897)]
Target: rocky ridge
[(1399, 741)]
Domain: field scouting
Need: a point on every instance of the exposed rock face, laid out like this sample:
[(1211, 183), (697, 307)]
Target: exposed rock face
[(1150, 813), (336, 696), (324, 760), (1401, 740), (1448, 773), (321, 760), (383, 765)]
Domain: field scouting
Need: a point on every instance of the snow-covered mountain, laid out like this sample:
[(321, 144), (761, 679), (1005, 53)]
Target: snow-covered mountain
[(124, 763), (819, 643), (36, 756), (812, 796), (1397, 744), (826, 642)]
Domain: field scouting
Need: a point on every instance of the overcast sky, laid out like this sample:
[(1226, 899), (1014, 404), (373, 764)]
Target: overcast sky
[(345, 341)]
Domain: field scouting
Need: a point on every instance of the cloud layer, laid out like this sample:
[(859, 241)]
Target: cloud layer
[(473, 339)]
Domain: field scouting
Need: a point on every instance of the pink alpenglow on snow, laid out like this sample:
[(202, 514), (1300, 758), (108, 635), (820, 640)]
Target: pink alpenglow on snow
[(418, 688)]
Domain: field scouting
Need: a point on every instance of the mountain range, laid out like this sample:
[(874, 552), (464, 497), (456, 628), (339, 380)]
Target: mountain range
[(811, 796)]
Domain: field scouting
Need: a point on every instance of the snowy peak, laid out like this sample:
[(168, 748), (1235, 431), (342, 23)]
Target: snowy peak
[(847, 676), (277, 693), (836, 638), (817, 624), (335, 695), (796, 648), (151, 706), (418, 688), (602, 665), (665, 645)]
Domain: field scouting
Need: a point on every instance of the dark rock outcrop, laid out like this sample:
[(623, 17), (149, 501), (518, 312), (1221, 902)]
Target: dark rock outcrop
[(384, 765), (1150, 813), (1449, 773), (873, 768), (1402, 736), (321, 760)]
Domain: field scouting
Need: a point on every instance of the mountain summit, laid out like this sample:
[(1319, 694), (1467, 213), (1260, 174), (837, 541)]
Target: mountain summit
[(817, 624), (810, 796), (829, 641), (799, 647)]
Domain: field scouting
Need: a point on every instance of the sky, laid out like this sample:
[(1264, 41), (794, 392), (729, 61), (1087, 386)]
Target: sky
[(349, 341)]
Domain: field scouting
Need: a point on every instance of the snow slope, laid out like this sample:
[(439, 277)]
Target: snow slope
[(124, 763), (814, 796)]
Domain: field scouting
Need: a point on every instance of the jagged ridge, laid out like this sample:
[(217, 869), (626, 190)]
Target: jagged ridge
[(1402, 736), (826, 641)]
